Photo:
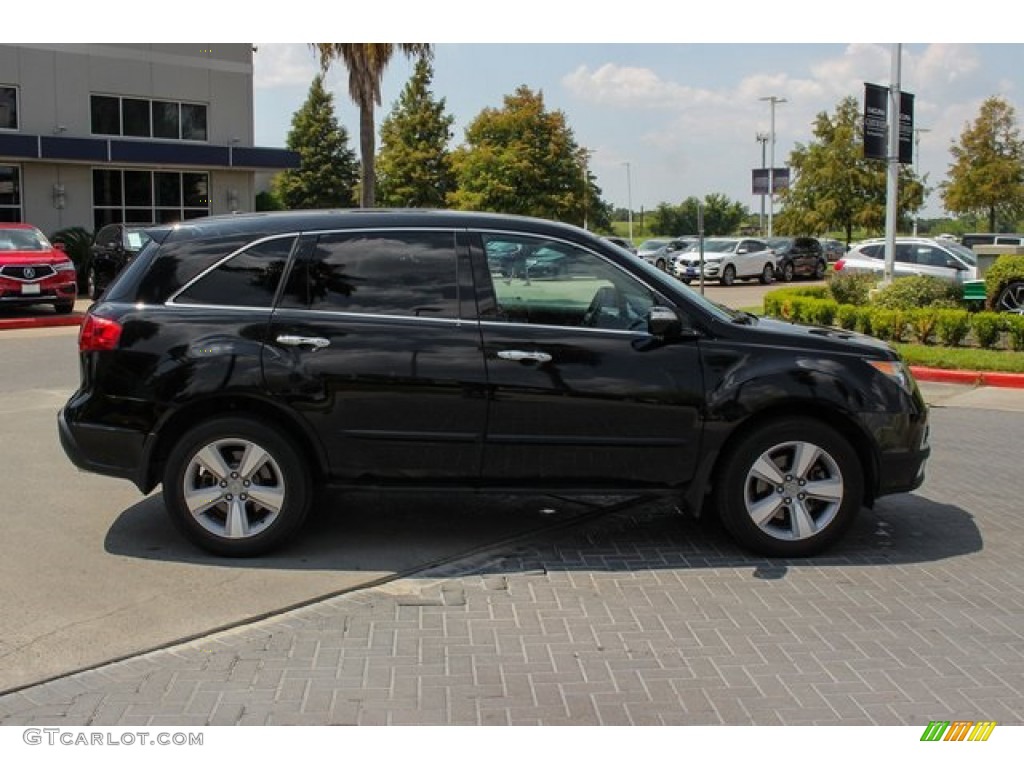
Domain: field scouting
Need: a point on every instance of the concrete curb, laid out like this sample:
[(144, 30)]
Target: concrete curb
[(972, 378)]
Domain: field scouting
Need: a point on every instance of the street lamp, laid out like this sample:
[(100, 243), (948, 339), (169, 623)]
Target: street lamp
[(917, 166), (762, 139), (773, 100), (629, 199), (585, 155)]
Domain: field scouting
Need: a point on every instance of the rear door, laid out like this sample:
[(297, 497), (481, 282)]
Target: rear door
[(579, 393), (369, 344)]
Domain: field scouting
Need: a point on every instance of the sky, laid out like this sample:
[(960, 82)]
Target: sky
[(667, 121)]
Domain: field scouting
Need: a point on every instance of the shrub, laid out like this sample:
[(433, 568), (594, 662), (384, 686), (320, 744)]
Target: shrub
[(987, 327), (1015, 330), (77, 242), (922, 325), (889, 324), (864, 324), (846, 317), (851, 288), (952, 326), (917, 291), (821, 311)]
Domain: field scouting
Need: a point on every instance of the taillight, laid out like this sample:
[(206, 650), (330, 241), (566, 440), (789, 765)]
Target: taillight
[(98, 334), (838, 266)]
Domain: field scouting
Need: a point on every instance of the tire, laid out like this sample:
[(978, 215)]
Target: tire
[(789, 489), (661, 265), (64, 307), (788, 273), (223, 506), (819, 270), (728, 275), (767, 274), (93, 289), (1011, 297)]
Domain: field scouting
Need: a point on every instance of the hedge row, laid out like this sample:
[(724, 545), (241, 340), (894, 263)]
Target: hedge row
[(949, 327)]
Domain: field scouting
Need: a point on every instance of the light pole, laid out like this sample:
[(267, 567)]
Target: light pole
[(762, 139), (629, 199), (917, 166), (585, 154), (773, 100)]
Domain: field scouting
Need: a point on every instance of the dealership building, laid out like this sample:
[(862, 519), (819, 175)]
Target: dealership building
[(95, 134)]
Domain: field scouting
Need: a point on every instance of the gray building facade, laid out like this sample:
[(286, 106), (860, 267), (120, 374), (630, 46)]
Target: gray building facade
[(93, 134)]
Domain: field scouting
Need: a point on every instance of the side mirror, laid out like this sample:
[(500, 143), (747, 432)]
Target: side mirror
[(664, 322), (954, 264)]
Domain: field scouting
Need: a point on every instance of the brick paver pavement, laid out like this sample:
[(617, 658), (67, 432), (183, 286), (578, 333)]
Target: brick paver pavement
[(638, 617)]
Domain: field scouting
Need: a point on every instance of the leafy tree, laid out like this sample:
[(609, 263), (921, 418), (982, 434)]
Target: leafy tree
[(721, 216), (414, 166), (523, 159), (327, 172), (986, 177), (834, 187), (366, 63)]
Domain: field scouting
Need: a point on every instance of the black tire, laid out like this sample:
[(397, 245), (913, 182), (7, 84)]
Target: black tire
[(93, 289), (767, 274), (661, 265), (64, 307), (1011, 297), (820, 269), (788, 273), (808, 455), (269, 500), (728, 275)]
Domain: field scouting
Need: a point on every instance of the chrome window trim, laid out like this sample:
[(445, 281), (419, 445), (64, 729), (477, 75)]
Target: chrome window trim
[(563, 328)]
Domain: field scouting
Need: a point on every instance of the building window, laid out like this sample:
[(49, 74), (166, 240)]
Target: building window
[(143, 197), (10, 193), (8, 108), (145, 118)]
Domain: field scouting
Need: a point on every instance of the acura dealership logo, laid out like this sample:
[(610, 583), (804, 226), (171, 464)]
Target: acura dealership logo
[(29, 273)]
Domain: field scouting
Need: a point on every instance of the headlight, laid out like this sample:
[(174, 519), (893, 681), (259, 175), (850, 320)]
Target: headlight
[(64, 266), (895, 370)]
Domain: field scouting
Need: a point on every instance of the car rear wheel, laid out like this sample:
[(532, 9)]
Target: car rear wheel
[(728, 275), (92, 289), (789, 489), (235, 487), (767, 274), (1011, 298)]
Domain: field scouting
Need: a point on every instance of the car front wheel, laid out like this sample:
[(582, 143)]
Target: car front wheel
[(1011, 298), (728, 275), (236, 487), (789, 489), (788, 272), (767, 274)]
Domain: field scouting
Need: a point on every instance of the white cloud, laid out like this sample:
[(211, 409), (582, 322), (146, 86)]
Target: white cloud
[(277, 65)]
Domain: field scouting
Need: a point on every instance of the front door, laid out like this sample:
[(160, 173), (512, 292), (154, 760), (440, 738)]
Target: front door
[(580, 394)]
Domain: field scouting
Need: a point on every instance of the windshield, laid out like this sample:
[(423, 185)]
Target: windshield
[(965, 254), (719, 246), (652, 245), (23, 240)]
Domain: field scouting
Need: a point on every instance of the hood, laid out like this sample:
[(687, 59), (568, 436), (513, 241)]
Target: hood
[(19, 258), (782, 332)]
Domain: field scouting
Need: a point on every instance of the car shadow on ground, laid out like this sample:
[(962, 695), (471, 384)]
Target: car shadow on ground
[(407, 534)]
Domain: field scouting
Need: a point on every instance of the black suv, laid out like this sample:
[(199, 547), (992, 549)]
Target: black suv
[(243, 360), (113, 247), (798, 257)]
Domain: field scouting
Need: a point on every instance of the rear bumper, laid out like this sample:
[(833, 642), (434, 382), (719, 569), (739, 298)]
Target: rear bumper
[(101, 449)]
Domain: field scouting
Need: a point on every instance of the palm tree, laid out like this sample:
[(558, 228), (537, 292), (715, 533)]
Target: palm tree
[(366, 63)]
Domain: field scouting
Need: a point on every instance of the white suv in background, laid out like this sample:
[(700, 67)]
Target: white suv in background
[(914, 256)]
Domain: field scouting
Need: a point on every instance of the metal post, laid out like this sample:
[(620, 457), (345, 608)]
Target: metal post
[(763, 139), (773, 100), (917, 165), (629, 199), (893, 176)]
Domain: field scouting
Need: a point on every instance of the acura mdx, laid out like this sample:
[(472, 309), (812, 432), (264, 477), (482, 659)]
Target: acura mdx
[(242, 361)]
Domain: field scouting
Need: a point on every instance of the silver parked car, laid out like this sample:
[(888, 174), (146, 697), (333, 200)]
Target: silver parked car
[(914, 256), (659, 250), (727, 259)]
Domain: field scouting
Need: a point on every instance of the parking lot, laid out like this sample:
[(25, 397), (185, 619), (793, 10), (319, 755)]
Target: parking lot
[(479, 610)]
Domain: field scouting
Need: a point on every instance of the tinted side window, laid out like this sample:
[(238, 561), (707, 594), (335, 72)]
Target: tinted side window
[(380, 273), (247, 279), (872, 251)]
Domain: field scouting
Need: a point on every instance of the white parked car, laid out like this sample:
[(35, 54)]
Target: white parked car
[(914, 256), (727, 259)]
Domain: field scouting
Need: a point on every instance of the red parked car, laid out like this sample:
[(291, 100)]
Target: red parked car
[(33, 271)]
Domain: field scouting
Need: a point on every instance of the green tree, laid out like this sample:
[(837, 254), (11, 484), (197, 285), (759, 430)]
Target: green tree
[(986, 177), (722, 216), (327, 172), (834, 187), (523, 159), (414, 166), (366, 63)]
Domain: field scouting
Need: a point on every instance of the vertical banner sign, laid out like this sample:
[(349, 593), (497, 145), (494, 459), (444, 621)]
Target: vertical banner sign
[(876, 140), (906, 128), (759, 180)]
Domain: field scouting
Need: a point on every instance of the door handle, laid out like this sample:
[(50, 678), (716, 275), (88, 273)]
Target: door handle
[(520, 355), (317, 342)]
